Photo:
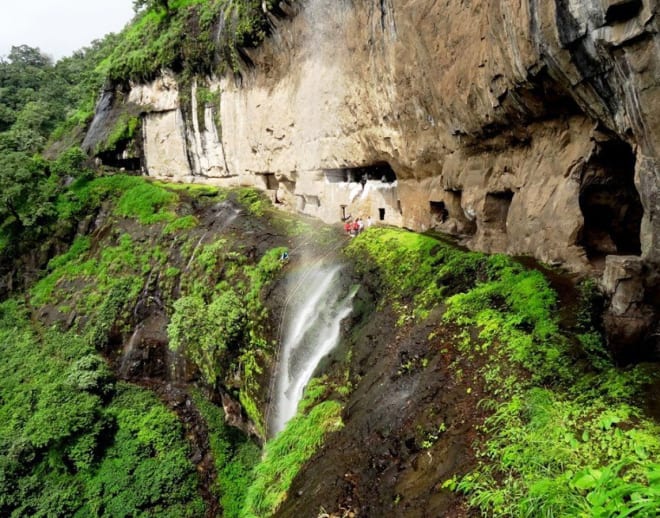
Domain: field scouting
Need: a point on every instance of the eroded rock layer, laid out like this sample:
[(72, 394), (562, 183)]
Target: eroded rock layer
[(522, 126)]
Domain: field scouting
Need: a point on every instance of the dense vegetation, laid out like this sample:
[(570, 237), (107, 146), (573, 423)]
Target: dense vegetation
[(116, 449), (565, 435), (43, 110), (75, 442)]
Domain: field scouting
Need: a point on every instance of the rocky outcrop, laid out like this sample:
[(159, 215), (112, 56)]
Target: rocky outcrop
[(522, 126)]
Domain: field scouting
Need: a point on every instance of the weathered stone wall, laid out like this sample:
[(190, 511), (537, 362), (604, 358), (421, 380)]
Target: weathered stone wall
[(523, 126)]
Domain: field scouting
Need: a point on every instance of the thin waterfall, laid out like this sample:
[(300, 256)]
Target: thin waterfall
[(127, 356), (319, 303)]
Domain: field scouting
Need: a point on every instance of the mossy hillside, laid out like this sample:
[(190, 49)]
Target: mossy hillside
[(217, 286), (235, 457), (567, 433), (416, 271), (124, 129), (147, 243), (145, 200), (220, 320)]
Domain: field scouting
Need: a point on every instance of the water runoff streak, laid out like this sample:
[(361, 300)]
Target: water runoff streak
[(318, 302)]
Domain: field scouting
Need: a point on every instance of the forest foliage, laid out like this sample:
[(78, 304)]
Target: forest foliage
[(73, 441)]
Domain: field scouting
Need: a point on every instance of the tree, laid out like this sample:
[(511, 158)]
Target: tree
[(205, 332), (29, 56), (26, 189), (151, 4)]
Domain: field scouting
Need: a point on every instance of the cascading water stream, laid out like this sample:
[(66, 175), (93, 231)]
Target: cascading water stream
[(313, 329)]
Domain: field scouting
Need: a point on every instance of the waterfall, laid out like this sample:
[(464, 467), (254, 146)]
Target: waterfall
[(319, 303)]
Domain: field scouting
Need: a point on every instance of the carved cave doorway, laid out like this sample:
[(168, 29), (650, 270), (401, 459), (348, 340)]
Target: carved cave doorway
[(610, 203)]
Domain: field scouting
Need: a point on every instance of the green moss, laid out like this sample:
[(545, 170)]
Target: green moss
[(205, 332), (179, 224), (565, 435), (123, 131), (206, 97), (5, 241), (86, 195), (193, 189), (147, 203), (254, 201), (212, 255), (417, 271), (80, 246), (248, 396)]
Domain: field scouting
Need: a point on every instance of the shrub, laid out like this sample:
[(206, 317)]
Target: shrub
[(205, 332)]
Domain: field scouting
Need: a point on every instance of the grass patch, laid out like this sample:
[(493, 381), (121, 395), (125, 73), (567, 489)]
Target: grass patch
[(255, 202), (179, 224), (147, 203), (193, 189), (417, 271), (287, 453), (86, 195)]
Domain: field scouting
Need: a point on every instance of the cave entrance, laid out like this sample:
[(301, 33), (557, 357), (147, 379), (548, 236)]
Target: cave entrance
[(117, 159), (610, 203), (439, 211), (622, 11), (381, 214), (496, 209), (378, 171)]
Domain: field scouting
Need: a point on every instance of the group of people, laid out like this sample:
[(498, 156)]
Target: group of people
[(353, 228)]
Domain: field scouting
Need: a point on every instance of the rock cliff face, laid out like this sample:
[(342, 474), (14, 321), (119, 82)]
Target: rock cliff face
[(522, 126)]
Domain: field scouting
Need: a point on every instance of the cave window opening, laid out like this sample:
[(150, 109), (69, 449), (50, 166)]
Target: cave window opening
[(336, 175), (496, 209), (313, 200), (610, 204), (398, 206), (381, 214), (461, 224), (115, 159), (439, 210), (271, 182), (623, 11)]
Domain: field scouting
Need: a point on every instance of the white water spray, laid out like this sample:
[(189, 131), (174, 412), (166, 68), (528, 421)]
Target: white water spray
[(314, 318)]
